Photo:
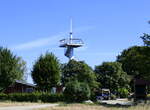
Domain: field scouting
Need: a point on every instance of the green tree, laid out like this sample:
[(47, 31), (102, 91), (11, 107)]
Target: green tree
[(80, 71), (12, 68), (46, 72), (146, 39), (136, 61), (111, 75)]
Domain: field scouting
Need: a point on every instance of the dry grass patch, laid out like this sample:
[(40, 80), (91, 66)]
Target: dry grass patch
[(76, 107), (95, 107), (9, 103)]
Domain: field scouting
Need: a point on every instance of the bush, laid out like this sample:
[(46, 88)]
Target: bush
[(32, 97), (21, 97), (3, 96), (123, 92), (77, 91), (46, 97)]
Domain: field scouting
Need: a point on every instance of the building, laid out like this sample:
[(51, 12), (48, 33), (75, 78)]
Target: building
[(20, 87), (140, 88)]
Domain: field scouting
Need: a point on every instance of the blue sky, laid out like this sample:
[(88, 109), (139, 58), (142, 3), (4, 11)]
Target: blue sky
[(32, 27)]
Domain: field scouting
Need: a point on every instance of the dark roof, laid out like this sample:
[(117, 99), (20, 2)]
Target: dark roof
[(141, 82), (25, 83)]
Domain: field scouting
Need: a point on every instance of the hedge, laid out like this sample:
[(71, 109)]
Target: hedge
[(3, 96), (32, 97)]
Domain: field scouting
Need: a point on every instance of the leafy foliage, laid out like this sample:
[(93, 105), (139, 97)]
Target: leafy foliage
[(123, 92), (46, 72), (136, 61), (111, 75), (146, 39), (32, 97), (79, 71), (77, 91), (11, 68)]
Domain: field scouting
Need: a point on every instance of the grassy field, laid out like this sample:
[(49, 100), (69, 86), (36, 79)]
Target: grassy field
[(96, 107)]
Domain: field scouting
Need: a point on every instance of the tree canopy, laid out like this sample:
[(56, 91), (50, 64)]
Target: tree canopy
[(12, 68), (146, 39), (136, 61), (111, 75), (80, 71), (46, 72)]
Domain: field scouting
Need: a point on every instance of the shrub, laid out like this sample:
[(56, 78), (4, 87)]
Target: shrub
[(32, 97), (46, 97), (28, 97), (3, 96), (123, 92), (77, 91)]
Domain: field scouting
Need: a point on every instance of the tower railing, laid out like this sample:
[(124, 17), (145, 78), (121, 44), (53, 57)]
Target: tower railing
[(69, 41)]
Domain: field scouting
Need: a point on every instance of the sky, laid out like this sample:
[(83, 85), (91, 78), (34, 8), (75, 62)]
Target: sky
[(32, 27)]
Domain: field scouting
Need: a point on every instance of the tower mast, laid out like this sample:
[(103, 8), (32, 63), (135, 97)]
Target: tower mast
[(71, 32)]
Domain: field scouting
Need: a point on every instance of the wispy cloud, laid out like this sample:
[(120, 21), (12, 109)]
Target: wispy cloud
[(48, 41), (38, 43)]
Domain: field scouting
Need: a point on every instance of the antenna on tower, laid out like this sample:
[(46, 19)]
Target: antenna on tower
[(71, 32)]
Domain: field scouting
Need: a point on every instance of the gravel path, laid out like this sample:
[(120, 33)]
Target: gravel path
[(30, 107)]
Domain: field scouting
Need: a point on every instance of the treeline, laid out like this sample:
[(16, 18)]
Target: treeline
[(81, 82)]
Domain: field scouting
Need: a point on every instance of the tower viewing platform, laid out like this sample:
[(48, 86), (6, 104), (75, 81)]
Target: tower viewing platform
[(74, 42)]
